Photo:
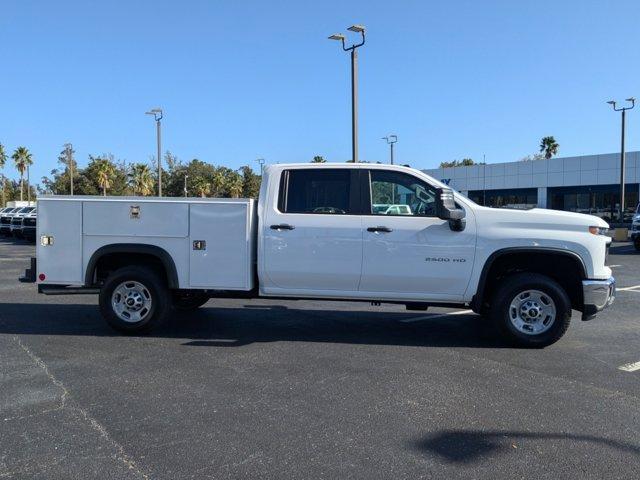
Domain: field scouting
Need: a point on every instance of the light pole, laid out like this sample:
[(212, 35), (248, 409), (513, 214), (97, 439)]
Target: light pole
[(622, 153), (157, 115), (354, 84), (28, 188), (261, 162), (185, 185), (391, 139)]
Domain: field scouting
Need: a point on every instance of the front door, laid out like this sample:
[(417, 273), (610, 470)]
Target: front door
[(408, 250), (312, 239)]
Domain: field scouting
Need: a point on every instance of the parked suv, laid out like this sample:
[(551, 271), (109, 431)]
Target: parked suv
[(29, 225), (5, 220), (635, 229), (15, 228)]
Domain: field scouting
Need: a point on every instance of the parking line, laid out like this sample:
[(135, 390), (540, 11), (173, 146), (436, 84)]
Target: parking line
[(613, 266), (431, 317), (627, 289), (630, 367)]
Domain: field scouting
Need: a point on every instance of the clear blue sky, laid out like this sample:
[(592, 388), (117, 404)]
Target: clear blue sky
[(240, 80)]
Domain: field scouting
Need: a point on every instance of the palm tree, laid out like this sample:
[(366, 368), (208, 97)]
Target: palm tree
[(22, 159), (201, 186), (549, 147), (318, 159), (217, 182), (141, 179), (106, 170), (234, 185), (3, 161)]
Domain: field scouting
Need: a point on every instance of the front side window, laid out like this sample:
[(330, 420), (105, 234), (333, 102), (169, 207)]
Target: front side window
[(315, 191), (395, 193)]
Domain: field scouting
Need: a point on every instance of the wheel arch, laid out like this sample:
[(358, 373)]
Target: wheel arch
[(143, 250), (525, 257)]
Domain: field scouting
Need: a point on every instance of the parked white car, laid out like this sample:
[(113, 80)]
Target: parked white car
[(315, 233)]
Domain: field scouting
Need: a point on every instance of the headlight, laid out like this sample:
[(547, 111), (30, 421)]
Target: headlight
[(598, 230)]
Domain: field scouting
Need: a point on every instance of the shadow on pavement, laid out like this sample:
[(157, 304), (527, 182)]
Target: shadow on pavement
[(235, 327), (470, 446)]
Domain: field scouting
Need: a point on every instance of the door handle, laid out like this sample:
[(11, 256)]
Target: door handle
[(282, 226), (379, 229)]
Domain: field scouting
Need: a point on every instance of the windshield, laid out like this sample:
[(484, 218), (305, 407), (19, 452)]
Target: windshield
[(26, 209), (9, 210)]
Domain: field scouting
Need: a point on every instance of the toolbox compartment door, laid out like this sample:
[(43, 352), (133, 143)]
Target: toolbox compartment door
[(221, 246), (136, 218)]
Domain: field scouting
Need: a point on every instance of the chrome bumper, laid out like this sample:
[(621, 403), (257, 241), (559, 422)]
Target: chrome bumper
[(598, 295)]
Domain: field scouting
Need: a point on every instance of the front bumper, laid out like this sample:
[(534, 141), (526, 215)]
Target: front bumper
[(598, 295)]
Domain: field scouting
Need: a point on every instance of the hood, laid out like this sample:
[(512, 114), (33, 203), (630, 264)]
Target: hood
[(555, 219)]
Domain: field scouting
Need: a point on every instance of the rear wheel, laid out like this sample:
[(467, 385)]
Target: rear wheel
[(531, 310), (134, 300), (188, 300), (636, 243)]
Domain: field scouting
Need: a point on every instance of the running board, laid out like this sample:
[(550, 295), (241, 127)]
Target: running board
[(66, 290)]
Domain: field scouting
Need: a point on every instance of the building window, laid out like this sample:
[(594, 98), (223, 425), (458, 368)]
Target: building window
[(520, 198), (600, 200)]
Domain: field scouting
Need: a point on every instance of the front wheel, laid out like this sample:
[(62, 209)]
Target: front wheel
[(531, 310), (134, 300)]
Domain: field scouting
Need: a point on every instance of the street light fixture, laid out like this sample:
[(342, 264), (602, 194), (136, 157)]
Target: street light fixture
[(261, 162), (631, 100), (354, 83), (157, 115), (391, 139)]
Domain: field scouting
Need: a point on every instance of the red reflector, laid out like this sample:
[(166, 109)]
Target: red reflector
[(42, 276)]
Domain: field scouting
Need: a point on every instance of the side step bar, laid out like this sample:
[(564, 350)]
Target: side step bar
[(66, 290)]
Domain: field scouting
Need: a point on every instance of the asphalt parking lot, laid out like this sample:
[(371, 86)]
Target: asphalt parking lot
[(302, 389)]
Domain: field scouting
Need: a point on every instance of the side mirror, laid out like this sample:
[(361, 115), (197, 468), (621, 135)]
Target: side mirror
[(447, 210)]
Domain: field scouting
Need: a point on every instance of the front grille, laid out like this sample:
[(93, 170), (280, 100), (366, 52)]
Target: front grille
[(5, 220), (29, 222), (16, 221)]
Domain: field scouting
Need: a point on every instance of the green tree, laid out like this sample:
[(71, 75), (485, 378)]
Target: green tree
[(71, 167), (3, 161), (233, 184), (22, 159), (318, 159), (141, 179), (549, 147), (201, 185), (105, 172), (250, 182)]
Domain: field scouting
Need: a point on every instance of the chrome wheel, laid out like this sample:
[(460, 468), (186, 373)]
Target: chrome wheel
[(532, 312), (131, 301)]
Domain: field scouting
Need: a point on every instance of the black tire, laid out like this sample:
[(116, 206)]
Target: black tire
[(510, 287), (153, 287), (636, 243), (186, 300)]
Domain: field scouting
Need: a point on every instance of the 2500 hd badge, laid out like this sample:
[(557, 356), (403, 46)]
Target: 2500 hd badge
[(445, 259)]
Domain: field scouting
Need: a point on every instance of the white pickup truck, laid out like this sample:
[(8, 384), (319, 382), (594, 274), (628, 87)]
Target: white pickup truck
[(366, 232)]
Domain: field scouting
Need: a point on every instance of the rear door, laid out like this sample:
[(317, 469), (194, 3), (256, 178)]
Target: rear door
[(408, 251), (312, 234)]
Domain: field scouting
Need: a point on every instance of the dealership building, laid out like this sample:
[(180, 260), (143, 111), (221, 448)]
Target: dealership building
[(585, 184)]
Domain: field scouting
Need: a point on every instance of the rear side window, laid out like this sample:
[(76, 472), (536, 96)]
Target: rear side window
[(316, 191)]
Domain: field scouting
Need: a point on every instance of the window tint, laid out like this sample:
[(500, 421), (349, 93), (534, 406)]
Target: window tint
[(319, 191), (394, 193)]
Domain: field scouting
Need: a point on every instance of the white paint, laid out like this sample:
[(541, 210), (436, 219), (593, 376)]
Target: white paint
[(614, 266), (433, 317), (630, 367), (627, 289)]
